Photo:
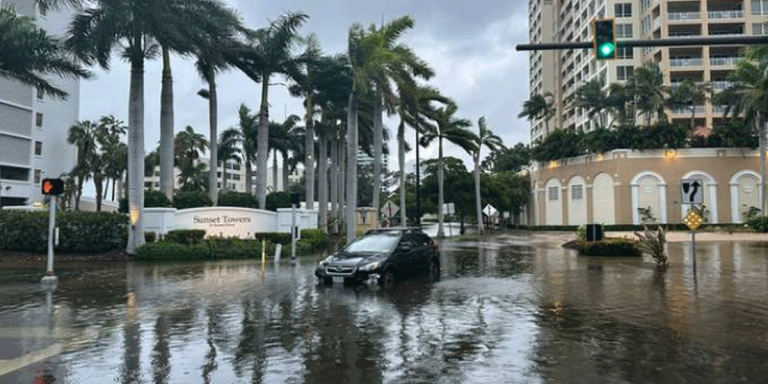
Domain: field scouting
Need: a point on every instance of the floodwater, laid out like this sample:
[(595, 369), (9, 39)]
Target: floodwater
[(508, 310)]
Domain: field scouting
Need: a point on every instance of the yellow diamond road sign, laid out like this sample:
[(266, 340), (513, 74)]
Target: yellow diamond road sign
[(692, 220)]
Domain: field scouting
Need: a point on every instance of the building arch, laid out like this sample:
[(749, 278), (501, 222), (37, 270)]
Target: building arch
[(577, 200), (710, 194), (745, 192), (553, 202), (649, 190), (603, 201)]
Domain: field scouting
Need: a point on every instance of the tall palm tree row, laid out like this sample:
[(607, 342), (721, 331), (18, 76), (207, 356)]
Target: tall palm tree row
[(539, 106), (243, 141), (453, 129), (484, 138)]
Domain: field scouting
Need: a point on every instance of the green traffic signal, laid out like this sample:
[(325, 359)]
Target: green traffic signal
[(605, 39)]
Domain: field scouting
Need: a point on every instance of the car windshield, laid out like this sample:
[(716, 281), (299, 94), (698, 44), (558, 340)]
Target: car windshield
[(376, 243)]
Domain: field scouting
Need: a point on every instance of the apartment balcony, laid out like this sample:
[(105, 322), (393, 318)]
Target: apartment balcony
[(656, 23), (720, 85), (724, 61), (725, 15), (692, 62), (683, 16), (718, 110), (700, 109)]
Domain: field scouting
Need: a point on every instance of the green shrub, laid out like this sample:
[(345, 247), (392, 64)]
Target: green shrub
[(152, 199), (609, 247), (652, 243), (171, 251), (316, 239), (277, 200), (238, 199), (232, 248), (191, 199), (758, 223), (79, 232), (185, 236), (149, 237), (274, 237)]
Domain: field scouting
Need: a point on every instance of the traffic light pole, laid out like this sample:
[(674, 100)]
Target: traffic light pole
[(50, 278), (669, 42)]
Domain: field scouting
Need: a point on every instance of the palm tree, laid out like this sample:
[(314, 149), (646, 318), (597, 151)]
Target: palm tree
[(448, 127), (485, 138), (83, 136), (415, 110), (593, 98), (113, 149), (188, 144), (227, 151), (650, 94), (30, 54), (747, 97), (689, 94), (539, 106), (271, 54), (284, 138), (244, 139)]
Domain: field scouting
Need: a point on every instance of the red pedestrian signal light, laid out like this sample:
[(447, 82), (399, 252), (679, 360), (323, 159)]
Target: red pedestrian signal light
[(604, 42), (53, 187)]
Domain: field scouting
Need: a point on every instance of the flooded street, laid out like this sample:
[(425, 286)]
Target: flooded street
[(510, 310)]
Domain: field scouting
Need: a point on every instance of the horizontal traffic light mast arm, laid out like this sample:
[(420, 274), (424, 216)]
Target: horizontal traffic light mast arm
[(669, 42)]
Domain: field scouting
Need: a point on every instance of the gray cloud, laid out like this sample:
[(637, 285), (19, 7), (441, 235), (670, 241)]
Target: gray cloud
[(469, 43)]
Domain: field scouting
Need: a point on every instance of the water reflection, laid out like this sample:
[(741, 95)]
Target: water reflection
[(505, 311)]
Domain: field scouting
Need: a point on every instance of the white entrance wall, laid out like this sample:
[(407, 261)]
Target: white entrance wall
[(304, 219), (745, 193), (227, 221), (553, 204), (603, 206), (577, 201)]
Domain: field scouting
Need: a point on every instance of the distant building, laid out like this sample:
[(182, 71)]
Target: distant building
[(33, 126)]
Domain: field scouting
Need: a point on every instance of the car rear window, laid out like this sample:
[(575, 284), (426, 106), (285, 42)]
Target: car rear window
[(379, 242)]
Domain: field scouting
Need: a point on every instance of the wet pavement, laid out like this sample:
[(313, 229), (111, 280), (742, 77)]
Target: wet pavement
[(509, 310)]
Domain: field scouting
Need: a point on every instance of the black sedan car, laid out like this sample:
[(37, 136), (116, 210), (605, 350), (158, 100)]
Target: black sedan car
[(382, 255)]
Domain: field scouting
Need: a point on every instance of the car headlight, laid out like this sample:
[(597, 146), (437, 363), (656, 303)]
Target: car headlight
[(371, 266), (325, 261)]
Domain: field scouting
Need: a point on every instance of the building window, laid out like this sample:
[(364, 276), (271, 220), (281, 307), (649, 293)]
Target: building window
[(623, 9), (40, 94), (554, 193), (760, 7), (147, 184), (625, 53), (236, 167), (231, 186), (623, 30), (39, 120), (38, 176), (218, 185), (38, 148), (577, 192), (218, 174), (235, 177), (760, 29), (624, 72)]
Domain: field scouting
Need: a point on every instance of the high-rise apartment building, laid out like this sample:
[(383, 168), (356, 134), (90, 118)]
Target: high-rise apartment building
[(562, 72), (33, 126)]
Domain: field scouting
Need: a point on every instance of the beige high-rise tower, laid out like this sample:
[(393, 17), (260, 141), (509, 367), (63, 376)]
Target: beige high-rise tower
[(562, 72)]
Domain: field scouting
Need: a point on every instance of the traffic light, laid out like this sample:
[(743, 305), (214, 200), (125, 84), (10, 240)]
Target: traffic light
[(605, 39), (53, 187)]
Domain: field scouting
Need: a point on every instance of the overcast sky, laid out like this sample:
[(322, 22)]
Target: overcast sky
[(469, 43)]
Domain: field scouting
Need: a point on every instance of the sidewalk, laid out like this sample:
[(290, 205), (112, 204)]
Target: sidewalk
[(684, 236)]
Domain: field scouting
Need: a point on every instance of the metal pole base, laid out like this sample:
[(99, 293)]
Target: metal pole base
[(49, 280)]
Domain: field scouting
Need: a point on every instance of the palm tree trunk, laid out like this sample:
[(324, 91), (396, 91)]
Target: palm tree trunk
[(166, 127), (274, 171), (440, 231), (378, 138), (213, 147), (120, 186), (79, 191), (248, 176), (342, 178), (335, 184), (322, 183), (478, 203), (351, 176), (401, 166), (263, 145), (136, 156), (98, 183), (286, 172), (309, 156), (114, 182), (105, 189), (223, 175), (761, 136)]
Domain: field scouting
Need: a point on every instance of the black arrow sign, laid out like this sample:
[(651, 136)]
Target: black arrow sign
[(695, 185)]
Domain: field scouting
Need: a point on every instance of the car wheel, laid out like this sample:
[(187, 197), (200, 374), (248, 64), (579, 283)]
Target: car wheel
[(434, 270), (387, 280), (328, 280)]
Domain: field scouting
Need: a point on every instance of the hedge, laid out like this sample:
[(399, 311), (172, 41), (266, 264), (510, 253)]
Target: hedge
[(237, 199), (168, 251), (185, 236), (191, 199), (214, 248), (758, 223), (610, 247), (316, 239), (274, 237), (152, 199), (79, 232)]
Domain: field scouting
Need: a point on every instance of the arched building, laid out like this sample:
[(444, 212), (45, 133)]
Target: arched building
[(632, 187)]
